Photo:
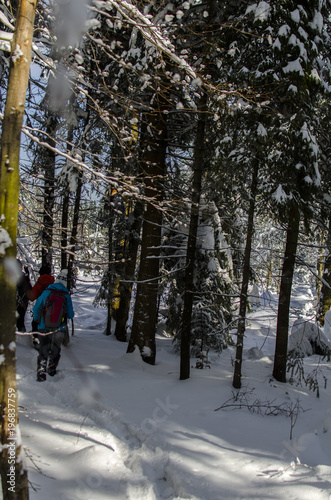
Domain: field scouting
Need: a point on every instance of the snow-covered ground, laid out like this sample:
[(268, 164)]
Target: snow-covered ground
[(109, 426)]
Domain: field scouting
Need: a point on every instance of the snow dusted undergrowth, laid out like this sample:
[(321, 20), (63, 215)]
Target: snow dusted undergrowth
[(108, 426)]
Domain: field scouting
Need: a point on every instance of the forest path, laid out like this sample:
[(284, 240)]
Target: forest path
[(109, 426)]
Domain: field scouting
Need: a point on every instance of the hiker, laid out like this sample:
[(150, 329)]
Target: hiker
[(22, 288), (41, 284), (51, 311)]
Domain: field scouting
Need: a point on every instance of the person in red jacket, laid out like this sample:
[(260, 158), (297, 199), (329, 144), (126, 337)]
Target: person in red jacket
[(41, 284)]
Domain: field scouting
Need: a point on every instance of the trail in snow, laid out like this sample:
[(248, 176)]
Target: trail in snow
[(108, 426)]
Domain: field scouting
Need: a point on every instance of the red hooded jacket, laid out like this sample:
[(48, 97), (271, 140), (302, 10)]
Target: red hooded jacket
[(41, 284)]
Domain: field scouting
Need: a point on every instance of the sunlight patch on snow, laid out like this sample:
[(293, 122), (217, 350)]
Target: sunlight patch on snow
[(150, 436)]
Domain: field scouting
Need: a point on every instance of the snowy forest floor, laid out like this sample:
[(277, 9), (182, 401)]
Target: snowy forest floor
[(109, 426)]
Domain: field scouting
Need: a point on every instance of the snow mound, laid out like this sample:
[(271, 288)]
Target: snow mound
[(268, 298), (327, 326), (307, 338), (310, 450), (254, 298), (255, 353)]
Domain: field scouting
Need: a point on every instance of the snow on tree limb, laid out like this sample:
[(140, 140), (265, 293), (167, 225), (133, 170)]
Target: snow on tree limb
[(123, 184), (148, 30)]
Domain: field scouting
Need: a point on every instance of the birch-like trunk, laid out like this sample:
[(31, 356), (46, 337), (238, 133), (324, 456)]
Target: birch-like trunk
[(13, 473)]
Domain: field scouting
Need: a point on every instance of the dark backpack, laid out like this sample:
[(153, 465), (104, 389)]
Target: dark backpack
[(55, 309)]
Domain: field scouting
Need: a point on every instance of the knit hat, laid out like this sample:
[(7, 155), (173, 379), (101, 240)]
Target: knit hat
[(62, 277), (45, 270)]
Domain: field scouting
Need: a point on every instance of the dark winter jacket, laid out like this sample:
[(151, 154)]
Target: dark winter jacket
[(22, 290), (39, 305)]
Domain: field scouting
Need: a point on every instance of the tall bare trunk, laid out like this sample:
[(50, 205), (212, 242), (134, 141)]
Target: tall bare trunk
[(185, 345), (279, 371), (74, 231), (49, 194), (245, 281), (13, 474), (125, 287), (66, 201), (145, 312), (325, 297)]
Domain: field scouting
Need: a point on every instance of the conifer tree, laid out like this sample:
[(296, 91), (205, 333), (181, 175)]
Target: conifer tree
[(274, 53)]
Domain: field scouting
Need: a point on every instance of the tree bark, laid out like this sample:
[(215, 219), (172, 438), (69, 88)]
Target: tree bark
[(132, 244), (245, 281), (279, 371), (14, 477), (49, 194), (185, 344), (325, 297), (74, 231), (125, 287), (66, 200), (64, 228), (145, 311), (110, 256)]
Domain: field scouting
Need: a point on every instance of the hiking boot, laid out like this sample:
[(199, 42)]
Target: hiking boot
[(51, 371), (41, 369), (52, 365), (36, 342), (41, 377)]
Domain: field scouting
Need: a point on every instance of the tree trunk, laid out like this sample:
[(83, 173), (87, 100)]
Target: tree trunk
[(145, 312), (109, 271), (325, 298), (185, 345), (13, 474), (132, 243), (64, 228), (245, 281), (75, 217), (74, 231), (279, 371), (66, 200), (125, 288), (49, 194)]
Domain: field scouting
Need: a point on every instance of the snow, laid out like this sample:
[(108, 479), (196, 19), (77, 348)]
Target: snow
[(295, 15), (305, 336), (5, 240), (262, 11), (261, 131), (294, 67), (327, 325), (280, 194), (284, 30), (293, 88), (17, 54), (109, 426), (317, 23)]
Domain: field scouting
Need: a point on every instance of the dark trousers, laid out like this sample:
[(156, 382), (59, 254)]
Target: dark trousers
[(49, 352), (21, 309)]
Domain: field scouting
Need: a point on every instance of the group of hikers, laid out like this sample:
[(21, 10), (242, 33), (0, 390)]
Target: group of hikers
[(52, 308)]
